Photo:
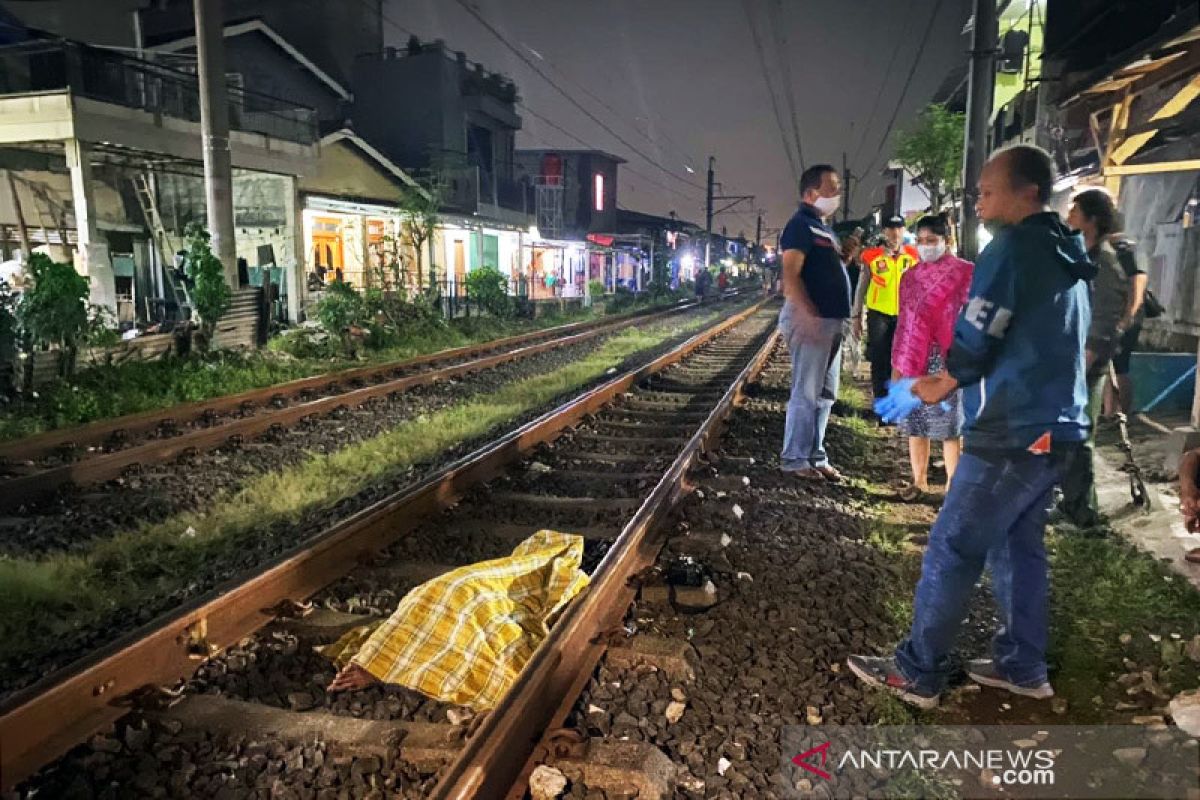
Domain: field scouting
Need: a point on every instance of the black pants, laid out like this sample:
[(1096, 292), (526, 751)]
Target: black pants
[(1079, 503), (881, 329)]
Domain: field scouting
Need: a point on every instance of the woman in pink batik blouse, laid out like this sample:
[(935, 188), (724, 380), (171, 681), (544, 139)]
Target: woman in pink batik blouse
[(931, 296)]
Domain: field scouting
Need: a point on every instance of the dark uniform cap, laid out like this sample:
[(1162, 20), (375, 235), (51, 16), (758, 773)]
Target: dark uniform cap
[(894, 222)]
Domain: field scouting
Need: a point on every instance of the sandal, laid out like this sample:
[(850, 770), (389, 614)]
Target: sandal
[(807, 473), (830, 473), (909, 493)]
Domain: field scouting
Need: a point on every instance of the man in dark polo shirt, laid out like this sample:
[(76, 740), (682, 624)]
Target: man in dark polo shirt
[(816, 288)]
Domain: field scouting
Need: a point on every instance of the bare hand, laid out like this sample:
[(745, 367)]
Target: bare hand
[(1190, 506), (851, 247), (856, 327), (934, 388), (804, 323)]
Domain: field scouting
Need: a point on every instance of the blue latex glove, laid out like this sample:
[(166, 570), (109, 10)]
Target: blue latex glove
[(899, 401)]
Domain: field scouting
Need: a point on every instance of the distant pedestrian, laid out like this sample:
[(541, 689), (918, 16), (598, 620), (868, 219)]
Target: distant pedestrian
[(878, 290), (1094, 214), (931, 296), (816, 288), (722, 280), (1022, 334), (702, 282)]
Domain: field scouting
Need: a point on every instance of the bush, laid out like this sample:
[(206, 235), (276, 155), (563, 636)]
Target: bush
[(622, 300), (211, 295), (53, 309), (597, 288), (488, 289)]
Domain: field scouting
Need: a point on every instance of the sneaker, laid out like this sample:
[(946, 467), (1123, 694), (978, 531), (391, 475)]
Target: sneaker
[(983, 671), (882, 673)]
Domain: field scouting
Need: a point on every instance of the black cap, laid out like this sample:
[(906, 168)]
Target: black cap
[(894, 222)]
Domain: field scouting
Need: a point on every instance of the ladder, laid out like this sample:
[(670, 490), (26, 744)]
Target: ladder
[(162, 240)]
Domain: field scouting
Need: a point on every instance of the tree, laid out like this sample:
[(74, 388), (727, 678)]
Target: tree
[(211, 295), (932, 150), (421, 205), (53, 310)]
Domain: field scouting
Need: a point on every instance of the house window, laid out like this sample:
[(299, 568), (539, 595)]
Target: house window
[(599, 190)]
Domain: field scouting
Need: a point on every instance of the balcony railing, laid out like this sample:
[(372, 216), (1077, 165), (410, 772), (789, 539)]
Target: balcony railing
[(467, 189), (122, 80)]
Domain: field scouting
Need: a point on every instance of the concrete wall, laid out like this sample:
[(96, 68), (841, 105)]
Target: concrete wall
[(419, 91)]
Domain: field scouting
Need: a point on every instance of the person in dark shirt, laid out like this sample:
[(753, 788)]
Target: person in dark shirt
[(816, 289), (1022, 336), (1095, 216)]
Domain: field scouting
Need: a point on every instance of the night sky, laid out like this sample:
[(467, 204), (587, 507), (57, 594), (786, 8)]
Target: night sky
[(681, 80)]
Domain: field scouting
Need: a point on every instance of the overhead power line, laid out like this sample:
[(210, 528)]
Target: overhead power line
[(907, 85), (579, 140), (785, 70), (887, 74), (766, 73), (569, 97)]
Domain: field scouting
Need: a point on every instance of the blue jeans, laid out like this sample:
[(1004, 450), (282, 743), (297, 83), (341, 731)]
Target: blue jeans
[(816, 370), (995, 514)]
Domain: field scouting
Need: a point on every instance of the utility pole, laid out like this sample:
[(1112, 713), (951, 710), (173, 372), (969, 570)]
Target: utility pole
[(980, 92), (708, 210), (758, 238), (214, 126)]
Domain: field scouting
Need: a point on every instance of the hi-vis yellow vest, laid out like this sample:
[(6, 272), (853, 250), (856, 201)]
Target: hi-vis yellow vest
[(883, 293)]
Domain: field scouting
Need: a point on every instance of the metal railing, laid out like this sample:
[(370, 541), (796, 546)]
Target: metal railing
[(455, 301), (123, 80), (469, 187)]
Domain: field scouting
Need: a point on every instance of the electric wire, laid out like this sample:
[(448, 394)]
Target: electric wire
[(887, 74), (907, 85), (762, 63), (785, 70), (569, 97)]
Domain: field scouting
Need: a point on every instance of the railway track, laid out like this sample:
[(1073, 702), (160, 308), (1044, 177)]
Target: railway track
[(608, 465), (36, 467)]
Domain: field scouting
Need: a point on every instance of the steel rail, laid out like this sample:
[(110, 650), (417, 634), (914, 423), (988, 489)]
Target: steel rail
[(35, 485), (98, 432), (43, 721), (497, 760)]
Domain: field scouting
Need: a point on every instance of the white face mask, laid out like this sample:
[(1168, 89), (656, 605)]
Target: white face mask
[(931, 252), (827, 205)]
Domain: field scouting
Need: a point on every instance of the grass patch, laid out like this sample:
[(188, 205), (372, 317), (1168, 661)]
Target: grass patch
[(106, 391), (45, 599), (1101, 589)]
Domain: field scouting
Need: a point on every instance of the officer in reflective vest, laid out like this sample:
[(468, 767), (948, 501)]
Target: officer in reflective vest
[(879, 290)]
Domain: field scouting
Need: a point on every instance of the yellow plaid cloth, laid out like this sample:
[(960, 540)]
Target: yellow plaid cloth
[(463, 637)]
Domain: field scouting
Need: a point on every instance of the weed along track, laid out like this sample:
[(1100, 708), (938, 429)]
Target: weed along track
[(245, 712), (36, 467)]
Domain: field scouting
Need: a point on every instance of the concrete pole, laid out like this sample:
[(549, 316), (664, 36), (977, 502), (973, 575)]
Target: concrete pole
[(708, 212), (91, 257), (980, 94), (214, 124)]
